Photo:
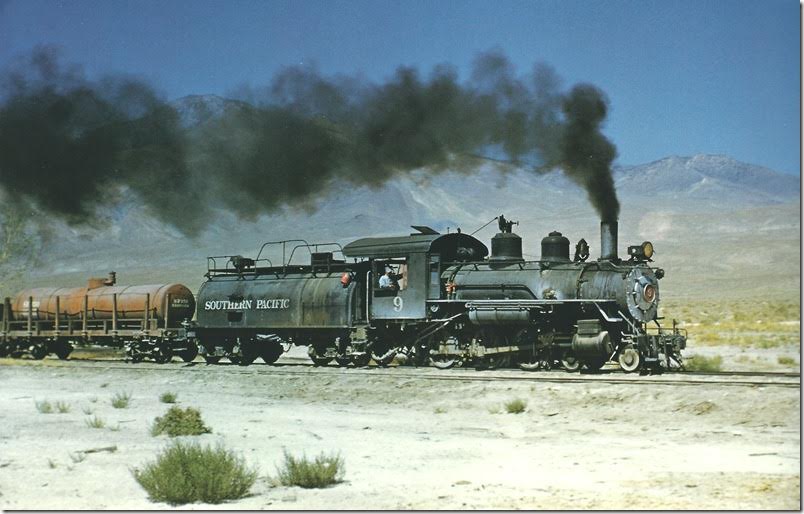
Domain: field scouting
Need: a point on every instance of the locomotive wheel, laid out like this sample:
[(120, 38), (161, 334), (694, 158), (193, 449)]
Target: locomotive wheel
[(63, 350), (630, 360), (317, 355), (190, 353), (493, 361), (594, 365), (271, 353), (570, 363), (162, 354), (245, 360), (384, 359), (212, 359), (5, 350), (343, 360), (361, 360), (443, 361), (530, 366), (38, 351)]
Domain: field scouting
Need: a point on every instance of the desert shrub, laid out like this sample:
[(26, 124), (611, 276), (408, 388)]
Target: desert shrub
[(44, 407), (95, 422), (703, 363), (187, 473), (178, 421), (322, 471), (515, 406), (120, 400), (167, 397), (63, 407), (786, 361)]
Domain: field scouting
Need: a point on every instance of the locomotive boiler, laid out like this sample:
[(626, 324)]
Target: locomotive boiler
[(558, 309)]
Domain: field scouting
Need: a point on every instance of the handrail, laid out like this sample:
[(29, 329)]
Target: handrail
[(307, 246), (283, 243)]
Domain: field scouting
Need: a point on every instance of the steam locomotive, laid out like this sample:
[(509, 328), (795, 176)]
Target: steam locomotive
[(429, 297)]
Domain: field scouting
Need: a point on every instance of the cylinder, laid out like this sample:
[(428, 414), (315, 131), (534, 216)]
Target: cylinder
[(132, 302), (608, 240)]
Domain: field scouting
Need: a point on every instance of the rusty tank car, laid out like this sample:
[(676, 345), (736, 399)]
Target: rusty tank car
[(145, 319)]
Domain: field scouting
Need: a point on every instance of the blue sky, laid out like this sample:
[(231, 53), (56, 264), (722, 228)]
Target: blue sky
[(682, 77)]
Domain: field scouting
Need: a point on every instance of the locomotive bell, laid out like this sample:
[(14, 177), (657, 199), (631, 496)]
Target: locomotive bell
[(506, 247), (555, 248)]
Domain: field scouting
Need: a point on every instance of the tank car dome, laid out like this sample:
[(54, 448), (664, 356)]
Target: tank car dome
[(555, 248)]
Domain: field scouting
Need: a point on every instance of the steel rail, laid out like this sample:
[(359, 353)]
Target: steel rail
[(670, 379)]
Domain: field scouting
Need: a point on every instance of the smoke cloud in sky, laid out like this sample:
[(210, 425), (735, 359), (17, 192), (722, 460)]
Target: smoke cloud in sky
[(68, 143)]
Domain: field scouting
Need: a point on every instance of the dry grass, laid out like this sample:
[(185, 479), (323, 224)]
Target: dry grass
[(703, 363), (516, 406), (178, 421), (784, 360), (95, 422), (748, 323), (186, 473), (167, 397), (121, 400), (44, 407), (322, 471)]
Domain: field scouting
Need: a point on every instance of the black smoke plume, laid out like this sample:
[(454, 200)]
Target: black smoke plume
[(68, 144)]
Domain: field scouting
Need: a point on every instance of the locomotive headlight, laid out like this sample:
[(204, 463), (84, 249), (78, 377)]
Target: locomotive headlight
[(642, 252)]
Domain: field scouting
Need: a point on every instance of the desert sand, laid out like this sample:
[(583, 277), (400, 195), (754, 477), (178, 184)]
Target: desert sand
[(407, 443)]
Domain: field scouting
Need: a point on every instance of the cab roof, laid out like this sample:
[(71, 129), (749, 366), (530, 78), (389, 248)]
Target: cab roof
[(447, 245)]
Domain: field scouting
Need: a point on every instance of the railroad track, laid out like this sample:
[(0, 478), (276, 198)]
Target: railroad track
[(297, 367)]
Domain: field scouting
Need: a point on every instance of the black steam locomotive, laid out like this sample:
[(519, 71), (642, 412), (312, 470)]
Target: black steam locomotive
[(440, 299)]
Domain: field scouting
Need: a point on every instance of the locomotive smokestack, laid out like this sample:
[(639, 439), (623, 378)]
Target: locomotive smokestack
[(608, 240)]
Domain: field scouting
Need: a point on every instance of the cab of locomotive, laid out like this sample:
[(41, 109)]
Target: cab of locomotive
[(405, 272)]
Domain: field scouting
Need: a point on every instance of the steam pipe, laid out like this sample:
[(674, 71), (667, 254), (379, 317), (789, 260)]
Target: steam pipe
[(608, 240)]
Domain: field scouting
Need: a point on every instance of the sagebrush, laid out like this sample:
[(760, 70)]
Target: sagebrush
[(516, 406), (321, 471), (188, 473), (703, 363), (44, 407), (178, 421), (121, 400)]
